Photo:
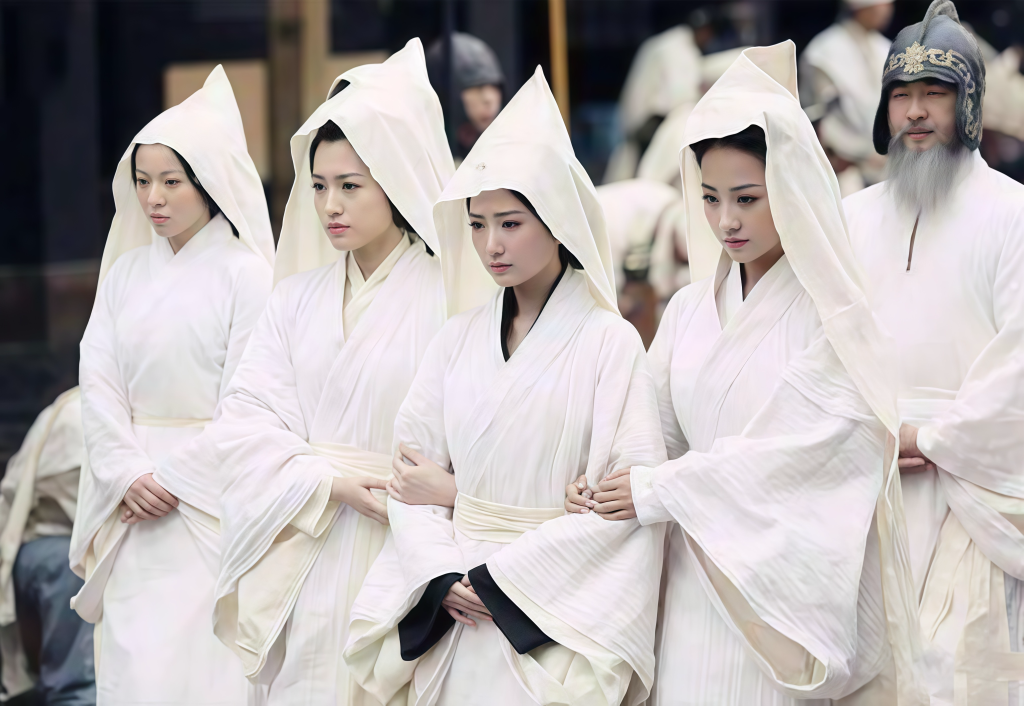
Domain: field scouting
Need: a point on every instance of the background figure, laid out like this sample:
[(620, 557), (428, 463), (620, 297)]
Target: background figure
[(647, 233), (480, 82), (665, 74), (46, 649), (840, 81)]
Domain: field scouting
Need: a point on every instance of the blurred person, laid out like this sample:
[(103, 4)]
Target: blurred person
[(647, 233), (784, 578), (479, 81), (186, 272), (497, 603), (664, 75), (44, 645), (660, 161), (941, 241), (840, 80), (306, 428)]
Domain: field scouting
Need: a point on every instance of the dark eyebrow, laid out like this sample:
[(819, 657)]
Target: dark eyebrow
[(497, 215), (709, 188), (164, 173), (743, 186), (340, 176)]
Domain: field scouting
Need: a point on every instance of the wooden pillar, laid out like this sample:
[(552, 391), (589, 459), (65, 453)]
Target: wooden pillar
[(559, 57), (284, 57)]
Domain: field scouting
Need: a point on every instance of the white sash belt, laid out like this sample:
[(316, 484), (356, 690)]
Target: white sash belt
[(170, 422), (492, 522), (353, 462)]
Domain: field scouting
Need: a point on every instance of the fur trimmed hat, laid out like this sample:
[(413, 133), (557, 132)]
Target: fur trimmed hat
[(936, 48)]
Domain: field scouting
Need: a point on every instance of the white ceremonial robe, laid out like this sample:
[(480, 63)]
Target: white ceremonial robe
[(575, 397), (166, 334), (772, 591), (955, 305), (315, 397), (844, 64)]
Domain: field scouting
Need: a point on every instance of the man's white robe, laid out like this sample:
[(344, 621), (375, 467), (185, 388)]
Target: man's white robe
[(952, 295), (575, 397), (772, 591), (841, 74), (308, 404), (165, 336)]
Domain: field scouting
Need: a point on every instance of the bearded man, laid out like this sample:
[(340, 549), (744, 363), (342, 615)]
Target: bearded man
[(942, 244)]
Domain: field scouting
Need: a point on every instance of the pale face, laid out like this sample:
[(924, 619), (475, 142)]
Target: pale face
[(926, 110), (352, 206), (876, 17), (736, 203), (166, 195), (512, 243), (482, 104)]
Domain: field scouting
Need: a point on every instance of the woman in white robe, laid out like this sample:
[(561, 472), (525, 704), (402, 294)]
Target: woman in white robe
[(519, 404), (781, 583), (168, 328), (306, 429)]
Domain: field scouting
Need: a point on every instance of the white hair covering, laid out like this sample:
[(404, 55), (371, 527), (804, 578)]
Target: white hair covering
[(392, 118), (526, 149), (206, 130), (760, 89)]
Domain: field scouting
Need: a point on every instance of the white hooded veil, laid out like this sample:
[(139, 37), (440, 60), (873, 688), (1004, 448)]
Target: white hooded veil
[(808, 213), (205, 129), (549, 175), (410, 159)]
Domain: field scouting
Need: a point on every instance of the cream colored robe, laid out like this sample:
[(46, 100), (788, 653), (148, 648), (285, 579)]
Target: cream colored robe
[(38, 497), (575, 397), (843, 66), (310, 403), (163, 341), (772, 592), (956, 310)]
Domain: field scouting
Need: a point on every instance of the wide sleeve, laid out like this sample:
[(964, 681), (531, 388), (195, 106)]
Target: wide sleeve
[(115, 457), (797, 490), (255, 456), (980, 438)]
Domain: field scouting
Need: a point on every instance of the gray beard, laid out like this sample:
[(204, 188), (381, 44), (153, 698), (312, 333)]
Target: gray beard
[(920, 181)]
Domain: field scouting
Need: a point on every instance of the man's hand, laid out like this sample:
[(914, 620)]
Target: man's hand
[(421, 483), (147, 500), (463, 604), (578, 497), (911, 460), (615, 496), (355, 492)]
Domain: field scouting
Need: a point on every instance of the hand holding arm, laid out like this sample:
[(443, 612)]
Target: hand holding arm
[(355, 492), (911, 460), (422, 482), (615, 496)]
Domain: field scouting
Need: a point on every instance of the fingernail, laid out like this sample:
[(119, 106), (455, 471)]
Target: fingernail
[(582, 485), (584, 511)]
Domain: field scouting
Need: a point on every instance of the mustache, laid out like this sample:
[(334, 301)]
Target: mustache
[(920, 123)]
